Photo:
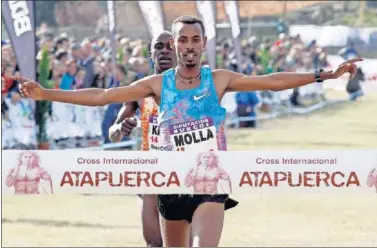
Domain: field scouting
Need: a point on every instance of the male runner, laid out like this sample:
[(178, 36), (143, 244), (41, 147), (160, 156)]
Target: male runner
[(189, 94), (164, 58)]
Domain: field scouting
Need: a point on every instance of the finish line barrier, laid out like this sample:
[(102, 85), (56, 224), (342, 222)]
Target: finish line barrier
[(112, 172)]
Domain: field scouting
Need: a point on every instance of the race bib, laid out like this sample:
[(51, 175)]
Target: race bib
[(198, 135), (153, 134)]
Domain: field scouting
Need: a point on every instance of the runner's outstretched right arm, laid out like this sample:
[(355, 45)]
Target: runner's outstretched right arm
[(92, 96), (281, 80)]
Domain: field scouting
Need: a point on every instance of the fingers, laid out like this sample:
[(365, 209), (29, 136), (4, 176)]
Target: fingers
[(126, 131), (354, 60), (20, 79), (349, 67), (133, 122), (129, 122), (127, 126), (23, 90), (351, 61), (353, 70)]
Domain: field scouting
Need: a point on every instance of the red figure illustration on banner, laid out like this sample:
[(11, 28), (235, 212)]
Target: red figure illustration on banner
[(372, 178), (205, 177), (27, 177)]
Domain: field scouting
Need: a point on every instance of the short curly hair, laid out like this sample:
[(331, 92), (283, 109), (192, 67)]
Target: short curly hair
[(187, 19)]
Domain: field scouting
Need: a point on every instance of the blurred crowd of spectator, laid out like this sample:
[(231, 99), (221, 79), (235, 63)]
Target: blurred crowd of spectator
[(81, 64), (266, 56)]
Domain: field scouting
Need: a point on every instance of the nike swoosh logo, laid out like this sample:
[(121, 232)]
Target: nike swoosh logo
[(196, 98)]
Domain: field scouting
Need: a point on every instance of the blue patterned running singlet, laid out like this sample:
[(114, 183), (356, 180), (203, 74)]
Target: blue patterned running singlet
[(192, 119)]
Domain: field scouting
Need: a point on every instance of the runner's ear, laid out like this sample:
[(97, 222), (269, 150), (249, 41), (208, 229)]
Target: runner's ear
[(204, 41), (171, 42)]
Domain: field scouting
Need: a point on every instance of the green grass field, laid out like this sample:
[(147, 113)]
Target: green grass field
[(286, 220)]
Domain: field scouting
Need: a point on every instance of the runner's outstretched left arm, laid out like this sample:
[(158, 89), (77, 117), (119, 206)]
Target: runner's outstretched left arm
[(282, 80), (90, 96)]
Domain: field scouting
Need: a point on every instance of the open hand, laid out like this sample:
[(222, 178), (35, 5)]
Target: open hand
[(29, 88), (348, 66)]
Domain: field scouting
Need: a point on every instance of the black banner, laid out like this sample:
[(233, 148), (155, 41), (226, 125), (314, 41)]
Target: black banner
[(19, 18)]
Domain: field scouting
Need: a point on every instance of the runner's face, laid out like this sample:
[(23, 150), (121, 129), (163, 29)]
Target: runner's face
[(162, 53), (189, 43)]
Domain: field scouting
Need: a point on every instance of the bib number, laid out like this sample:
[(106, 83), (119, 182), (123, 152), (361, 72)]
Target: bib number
[(198, 135), (154, 134)]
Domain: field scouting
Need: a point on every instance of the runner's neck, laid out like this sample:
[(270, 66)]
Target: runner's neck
[(188, 72), (159, 71)]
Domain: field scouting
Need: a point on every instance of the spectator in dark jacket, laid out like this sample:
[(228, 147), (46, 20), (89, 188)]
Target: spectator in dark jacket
[(113, 109), (87, 63), (246, 102), (354, 87)]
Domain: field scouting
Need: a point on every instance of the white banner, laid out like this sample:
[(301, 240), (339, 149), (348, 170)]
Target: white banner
[(67, 121), (335, 35), (88, 172), (231, 10), (205, 8), (20, 128), (70, 120), (112, 30), (153, 15)]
